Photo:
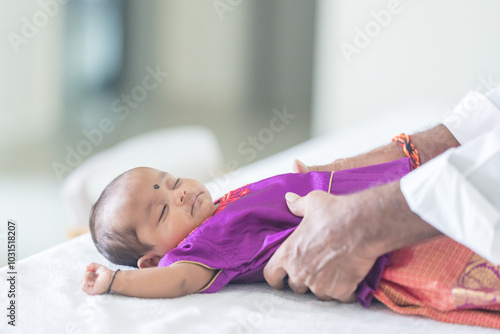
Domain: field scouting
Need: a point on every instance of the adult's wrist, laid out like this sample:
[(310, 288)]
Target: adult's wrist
[(386, 153), (433, 142), (389, 223)]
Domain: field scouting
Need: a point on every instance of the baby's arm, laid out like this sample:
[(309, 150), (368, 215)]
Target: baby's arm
[(177, 280)]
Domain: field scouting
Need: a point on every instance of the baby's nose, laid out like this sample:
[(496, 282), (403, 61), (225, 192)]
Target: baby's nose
[(181, 197)]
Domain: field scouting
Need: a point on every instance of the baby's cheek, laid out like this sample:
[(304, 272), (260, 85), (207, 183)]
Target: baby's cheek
[(208, 209)]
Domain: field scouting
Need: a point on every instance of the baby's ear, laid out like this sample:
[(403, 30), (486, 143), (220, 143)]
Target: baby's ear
[(148, 261)]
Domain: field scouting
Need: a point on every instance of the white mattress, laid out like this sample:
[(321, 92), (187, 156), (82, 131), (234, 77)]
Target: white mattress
[(49, 298)]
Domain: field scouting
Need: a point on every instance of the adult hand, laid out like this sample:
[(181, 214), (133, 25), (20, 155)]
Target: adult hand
[(327, 253), (384, 154), (430, 143), (299, 167), (340, 237)]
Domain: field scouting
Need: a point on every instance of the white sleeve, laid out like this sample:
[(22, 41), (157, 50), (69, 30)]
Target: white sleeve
[(474, 115), (458, 193)]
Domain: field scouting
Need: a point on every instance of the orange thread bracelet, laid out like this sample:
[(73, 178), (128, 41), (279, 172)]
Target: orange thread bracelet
[(411, 152)]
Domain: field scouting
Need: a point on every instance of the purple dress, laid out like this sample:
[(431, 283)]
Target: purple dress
[(251, 223)]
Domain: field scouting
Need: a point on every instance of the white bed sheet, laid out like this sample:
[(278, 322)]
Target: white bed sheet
[(49, 299)]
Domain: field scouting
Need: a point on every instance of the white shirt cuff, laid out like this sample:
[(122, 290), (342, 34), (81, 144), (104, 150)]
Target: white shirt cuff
[(459, 194), (473, 116)]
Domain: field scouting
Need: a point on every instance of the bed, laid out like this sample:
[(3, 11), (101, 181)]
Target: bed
[(49, 299)]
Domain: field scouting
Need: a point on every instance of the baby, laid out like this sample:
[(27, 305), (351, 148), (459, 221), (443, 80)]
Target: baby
[(184, 243), (141, 216)]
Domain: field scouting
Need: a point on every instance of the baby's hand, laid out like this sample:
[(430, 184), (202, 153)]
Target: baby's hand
[(96, 279)]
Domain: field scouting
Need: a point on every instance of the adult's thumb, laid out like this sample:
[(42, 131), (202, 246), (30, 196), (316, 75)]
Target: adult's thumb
[(299, 167), (295, 204)]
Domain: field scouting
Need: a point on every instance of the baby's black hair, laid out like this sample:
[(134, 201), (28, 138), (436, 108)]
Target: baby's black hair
[(119, 245)]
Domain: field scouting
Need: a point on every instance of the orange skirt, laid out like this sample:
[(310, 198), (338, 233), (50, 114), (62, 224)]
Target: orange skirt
[(443, 280)]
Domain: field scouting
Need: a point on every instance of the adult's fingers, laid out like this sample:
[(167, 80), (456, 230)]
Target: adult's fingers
[(325, 298), (347, 297), (295, 204), (297, 287), (299, 167), (274, 273), (351, 299), (342, 291)]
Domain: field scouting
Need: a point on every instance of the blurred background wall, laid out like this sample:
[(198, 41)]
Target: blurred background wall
[(225, 64), (222, 64), (141, 65), (374, 57)]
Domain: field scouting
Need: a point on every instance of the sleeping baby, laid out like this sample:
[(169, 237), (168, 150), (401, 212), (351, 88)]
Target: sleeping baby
[(184, 243)]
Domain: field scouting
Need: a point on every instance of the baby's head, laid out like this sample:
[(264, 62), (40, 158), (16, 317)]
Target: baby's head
[(144, 213)]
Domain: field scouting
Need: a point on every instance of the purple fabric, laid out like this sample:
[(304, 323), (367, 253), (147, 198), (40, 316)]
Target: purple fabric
[(242, 237), (371, 281)]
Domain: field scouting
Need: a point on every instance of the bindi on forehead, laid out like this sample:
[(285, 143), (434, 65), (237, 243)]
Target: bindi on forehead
[(156, 186)]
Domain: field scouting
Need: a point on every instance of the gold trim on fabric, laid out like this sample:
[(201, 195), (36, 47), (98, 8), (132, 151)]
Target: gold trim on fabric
[(330, 185), (204, 266), (478, 286)]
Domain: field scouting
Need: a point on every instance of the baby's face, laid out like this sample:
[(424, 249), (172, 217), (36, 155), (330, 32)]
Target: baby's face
[(164, 208)]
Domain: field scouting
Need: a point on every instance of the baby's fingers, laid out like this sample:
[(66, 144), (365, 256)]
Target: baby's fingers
[(88, 281), (89, 276), (92, 267)]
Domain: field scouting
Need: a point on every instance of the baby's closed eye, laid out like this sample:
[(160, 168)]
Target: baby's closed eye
[(162, 212)]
